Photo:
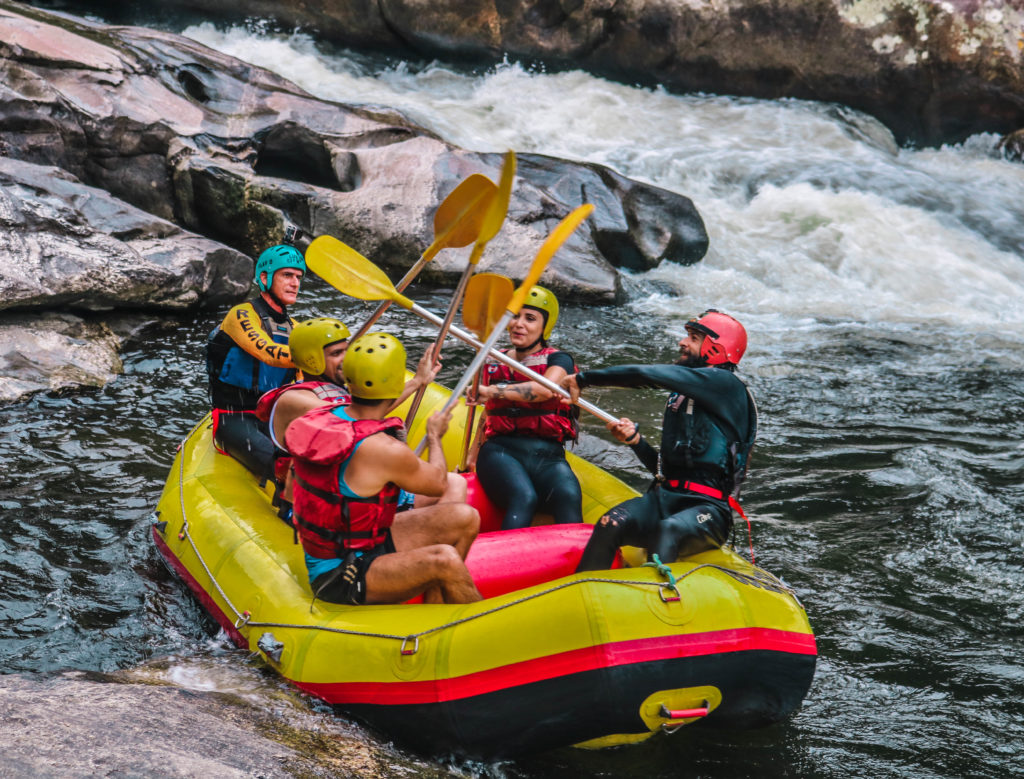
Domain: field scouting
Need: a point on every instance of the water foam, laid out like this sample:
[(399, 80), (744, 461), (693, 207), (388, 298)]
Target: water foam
[(813, 212)]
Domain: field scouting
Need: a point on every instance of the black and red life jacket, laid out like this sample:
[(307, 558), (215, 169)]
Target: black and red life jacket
[(327, 521), (548, 419)]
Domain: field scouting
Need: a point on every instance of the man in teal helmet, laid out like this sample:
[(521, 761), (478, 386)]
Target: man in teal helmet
[(247, 355)]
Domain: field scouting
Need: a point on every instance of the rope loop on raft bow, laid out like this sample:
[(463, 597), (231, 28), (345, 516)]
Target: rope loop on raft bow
[(669, 586)]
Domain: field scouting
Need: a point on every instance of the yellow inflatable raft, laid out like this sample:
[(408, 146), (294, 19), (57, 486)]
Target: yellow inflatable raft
[(549, 658)]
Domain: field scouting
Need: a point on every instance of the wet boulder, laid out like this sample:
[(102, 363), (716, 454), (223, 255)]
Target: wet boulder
[(235, 153), (52, 352), (91, 724), (66, 245), (1012, 146)]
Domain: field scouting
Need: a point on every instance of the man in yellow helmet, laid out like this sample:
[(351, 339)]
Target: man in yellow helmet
[(351, 466), (318, 347)]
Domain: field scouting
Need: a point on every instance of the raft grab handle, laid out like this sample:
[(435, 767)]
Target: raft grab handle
[(406, 650), (677, 715)]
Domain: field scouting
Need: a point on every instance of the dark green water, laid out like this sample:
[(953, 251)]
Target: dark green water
[(889, 498), (884, 294)]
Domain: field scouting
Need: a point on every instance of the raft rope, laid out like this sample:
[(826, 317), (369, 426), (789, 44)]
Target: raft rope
[(766, 581), (756, 578)]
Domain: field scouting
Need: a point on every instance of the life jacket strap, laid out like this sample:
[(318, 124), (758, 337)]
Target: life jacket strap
[(325, 495), (735, 506), (328, 535), (692, 486)]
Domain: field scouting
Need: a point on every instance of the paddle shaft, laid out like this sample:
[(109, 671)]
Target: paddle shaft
[(467, 438), (472, 370), (503, 358), (435, 348), (440, 242)]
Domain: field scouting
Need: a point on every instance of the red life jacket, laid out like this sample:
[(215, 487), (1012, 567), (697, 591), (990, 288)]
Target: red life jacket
[(549, 419), (327, 521), (324, 390)]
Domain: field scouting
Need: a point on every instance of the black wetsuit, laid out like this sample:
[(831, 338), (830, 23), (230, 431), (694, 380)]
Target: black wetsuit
[(709, 417), (524, 474)]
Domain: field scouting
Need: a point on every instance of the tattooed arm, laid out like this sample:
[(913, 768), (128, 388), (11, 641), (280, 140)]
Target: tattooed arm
[(559, 364)]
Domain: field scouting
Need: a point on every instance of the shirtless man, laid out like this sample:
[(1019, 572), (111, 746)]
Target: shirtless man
[(351, 467)]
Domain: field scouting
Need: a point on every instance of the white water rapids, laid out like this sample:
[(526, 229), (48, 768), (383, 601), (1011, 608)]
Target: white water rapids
[(816, 218)]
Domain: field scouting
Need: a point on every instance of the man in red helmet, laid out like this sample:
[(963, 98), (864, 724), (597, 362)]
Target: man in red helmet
[(708, 430)]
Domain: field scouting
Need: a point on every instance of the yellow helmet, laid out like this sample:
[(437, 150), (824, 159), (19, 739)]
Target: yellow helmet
[(309, 339), (374, 367), (544, 300)]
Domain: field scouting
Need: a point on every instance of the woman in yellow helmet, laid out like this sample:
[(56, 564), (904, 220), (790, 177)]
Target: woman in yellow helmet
[(521, 463)]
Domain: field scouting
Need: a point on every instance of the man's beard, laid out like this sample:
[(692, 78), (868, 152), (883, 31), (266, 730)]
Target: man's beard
[(691, 362)]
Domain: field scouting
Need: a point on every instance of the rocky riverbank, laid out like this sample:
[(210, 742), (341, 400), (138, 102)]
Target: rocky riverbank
[(131, 724), (142, 171)]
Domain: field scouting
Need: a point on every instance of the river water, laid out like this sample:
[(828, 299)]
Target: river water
[(883, 290)]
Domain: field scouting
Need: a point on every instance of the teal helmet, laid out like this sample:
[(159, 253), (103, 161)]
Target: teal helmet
[(274, 259)]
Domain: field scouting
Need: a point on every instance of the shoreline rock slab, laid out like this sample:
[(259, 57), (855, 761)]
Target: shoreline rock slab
[(78, 725), (53, 352), (68, 246)]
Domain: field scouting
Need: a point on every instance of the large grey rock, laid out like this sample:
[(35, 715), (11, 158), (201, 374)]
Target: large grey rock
[(76, 725), (53, 352), (233, 152), (1012, 146), (933, 71), (67, 245)]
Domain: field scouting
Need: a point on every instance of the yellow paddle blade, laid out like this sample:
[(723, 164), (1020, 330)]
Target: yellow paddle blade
[(499, 205), (460, 217), (487, 297), (497, 209), (547, 250), (351, 273)]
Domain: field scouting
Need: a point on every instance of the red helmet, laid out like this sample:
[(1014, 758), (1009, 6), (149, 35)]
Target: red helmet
[(725, 339)]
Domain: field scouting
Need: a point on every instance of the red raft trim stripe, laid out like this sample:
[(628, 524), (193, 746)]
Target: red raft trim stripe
[(643, 650), (204, 597)]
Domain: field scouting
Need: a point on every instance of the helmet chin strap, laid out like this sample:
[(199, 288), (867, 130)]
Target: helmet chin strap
[(277, 301), (530, 347)]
